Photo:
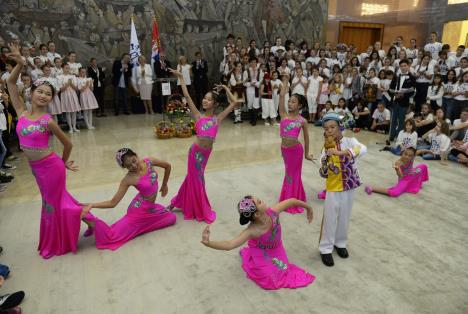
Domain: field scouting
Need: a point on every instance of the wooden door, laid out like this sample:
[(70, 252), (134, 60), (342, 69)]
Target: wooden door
[(361, 35)]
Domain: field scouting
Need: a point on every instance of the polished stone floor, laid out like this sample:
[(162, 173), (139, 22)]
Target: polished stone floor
[(408, 255)]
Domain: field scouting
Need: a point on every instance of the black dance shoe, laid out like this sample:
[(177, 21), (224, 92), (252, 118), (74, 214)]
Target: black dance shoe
[(342, 252), (327, 260)]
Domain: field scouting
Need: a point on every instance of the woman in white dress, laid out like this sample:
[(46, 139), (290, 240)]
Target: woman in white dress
[(142, 80)]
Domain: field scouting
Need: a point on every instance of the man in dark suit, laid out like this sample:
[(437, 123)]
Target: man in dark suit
[(121, 73), (401, 89), (161, 70), (95, 72), (200, 77)]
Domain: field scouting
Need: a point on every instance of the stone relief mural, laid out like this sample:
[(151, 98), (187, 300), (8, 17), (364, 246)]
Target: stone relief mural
[(101, 28)]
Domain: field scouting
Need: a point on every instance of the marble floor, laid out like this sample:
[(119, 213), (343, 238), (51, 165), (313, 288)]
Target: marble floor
[(407, 255)]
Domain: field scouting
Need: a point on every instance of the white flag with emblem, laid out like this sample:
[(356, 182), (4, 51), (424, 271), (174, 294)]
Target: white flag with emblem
[(134, 45)]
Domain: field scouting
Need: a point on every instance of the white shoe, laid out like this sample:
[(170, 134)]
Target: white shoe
[(268, 124), (91, 127), (77, 131), (70, 131)]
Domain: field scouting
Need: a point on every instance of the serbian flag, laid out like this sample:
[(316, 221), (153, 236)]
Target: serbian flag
[(155, 43)]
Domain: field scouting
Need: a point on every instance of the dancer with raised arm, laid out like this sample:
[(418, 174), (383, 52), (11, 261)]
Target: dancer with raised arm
[(192, 198), (61, 214), (292, 150)]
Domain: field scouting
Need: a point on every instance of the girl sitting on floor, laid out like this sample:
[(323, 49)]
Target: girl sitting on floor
[(410, 179)]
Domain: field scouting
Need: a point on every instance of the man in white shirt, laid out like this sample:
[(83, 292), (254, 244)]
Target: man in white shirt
[(277, 46), (52, 54), (433, 46), (381, 119)]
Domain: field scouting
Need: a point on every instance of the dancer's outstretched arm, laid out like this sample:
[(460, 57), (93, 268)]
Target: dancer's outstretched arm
[(233, 103), (292, 202), (282, 96), (228, 245), (123, 187), (167, 172), (192, 106), (16, 100)]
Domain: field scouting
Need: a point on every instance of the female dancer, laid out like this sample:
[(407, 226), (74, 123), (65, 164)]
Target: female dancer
[(143, 214), (264, 260), (291, 149), (192, 198), (61, 213), (410, 179), (87, 99)]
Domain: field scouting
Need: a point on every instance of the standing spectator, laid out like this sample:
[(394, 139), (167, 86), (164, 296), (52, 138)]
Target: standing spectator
[(52, 54), (186, 70), (401, 89), (97, 74), (74, 66), (200, 77), (433, 46), (142, 80), (161, 70), (121, 71)]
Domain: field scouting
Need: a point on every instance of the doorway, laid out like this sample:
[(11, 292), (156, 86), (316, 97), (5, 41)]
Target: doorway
[(361, 35)]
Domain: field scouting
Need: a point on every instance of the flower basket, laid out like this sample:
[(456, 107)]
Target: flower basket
[(164, 130)]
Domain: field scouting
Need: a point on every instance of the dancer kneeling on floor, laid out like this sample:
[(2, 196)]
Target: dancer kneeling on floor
[(410, 179), (264, 260), (143, 214)]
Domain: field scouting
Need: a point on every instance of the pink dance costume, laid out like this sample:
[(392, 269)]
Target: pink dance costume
[(60, 215), (87, 99), (192, 198), (292, 156), (142, 215), (412, 179), (266, 263)]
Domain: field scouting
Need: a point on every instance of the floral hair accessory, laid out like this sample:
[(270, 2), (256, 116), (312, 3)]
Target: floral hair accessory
[(118, 156), (247, 207), (43, 81)]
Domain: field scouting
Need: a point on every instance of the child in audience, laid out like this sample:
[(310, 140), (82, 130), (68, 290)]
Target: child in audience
[(410, 179), (314, 86), (425, 121), (440, 142), (381, 116), (87, 99), (361, 116), (328, 108), (435, 92), (406, 138)]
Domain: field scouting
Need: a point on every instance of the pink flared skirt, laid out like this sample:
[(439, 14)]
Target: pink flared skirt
[(142, 216), (192, 198), (292, 182), (60, 214)]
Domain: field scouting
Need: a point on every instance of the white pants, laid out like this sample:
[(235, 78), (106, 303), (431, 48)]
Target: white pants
[(276, 101), (336, 215), (268, 109), (312, 102), (252, 101)]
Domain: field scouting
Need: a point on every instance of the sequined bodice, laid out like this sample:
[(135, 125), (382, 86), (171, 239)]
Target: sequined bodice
[(270, 239), (148, 183), (291, 128), (33, 135), (207, 127)]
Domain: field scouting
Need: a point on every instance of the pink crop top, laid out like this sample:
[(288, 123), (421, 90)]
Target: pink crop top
[(148, 183), (207, 127), (34, 135), (291, 128)]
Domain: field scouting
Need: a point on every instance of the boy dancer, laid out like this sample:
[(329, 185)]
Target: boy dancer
[(339, 168)]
